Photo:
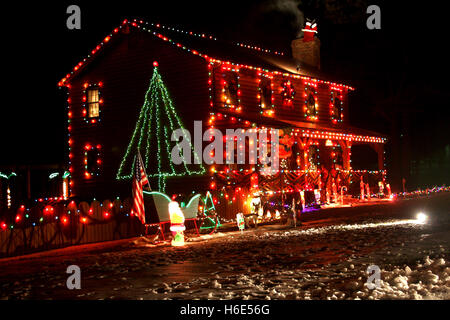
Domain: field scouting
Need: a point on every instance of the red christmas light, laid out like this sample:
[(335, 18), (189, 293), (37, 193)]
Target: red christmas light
[(49, 210)]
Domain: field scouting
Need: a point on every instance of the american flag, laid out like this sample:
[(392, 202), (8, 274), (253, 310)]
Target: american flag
[(139, 181)]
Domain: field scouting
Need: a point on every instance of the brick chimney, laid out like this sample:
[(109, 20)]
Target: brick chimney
[(307, 48)]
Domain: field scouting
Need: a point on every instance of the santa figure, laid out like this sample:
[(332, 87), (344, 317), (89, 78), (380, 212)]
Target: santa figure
[(176, 223)]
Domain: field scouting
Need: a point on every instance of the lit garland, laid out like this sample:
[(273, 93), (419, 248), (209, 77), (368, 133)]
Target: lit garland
[(8, 189), (259, 49), (210, 37), (300, 171), (236, 191), (337, 136), (138, 24), (157, 106), (7, 176), (26, 217), (311, 108), (316, 134), (69, 138)]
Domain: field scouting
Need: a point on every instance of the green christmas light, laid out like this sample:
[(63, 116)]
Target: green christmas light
[(157, 113), (7, 177)]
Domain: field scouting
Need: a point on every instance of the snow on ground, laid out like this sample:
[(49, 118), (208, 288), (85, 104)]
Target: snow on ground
[(429, 279), (326, 258)]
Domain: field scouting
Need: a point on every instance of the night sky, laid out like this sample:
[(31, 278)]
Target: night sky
[(400, 72)]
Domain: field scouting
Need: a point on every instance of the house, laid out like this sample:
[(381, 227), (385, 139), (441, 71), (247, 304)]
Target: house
[(225, 85)]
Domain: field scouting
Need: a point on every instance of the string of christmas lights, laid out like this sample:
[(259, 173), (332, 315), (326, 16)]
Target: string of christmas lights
[(157, 111), (139, 24)]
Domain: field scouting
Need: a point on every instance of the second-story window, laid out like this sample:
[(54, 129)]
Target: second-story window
[(337, 106), (310, 107), (287, 92), (265, 96), (92, 102), (230, 90)]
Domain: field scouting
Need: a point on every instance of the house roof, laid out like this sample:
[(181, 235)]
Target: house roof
[(238, 52), (212, 49)]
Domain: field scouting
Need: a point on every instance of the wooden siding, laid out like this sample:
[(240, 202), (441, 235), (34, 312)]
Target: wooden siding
[(125, 70), (248, 81)]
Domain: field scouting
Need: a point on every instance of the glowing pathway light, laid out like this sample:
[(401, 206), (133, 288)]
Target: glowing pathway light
[(421, 218), (176, 224)]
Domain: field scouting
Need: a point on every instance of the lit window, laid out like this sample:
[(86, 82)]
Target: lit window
[(92, 102), (93, 98)]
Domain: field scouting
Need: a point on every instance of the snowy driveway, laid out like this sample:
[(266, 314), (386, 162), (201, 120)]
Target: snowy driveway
[(326, 258)]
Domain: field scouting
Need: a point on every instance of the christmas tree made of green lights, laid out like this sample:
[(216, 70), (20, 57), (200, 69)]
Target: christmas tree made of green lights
[(151, 137)]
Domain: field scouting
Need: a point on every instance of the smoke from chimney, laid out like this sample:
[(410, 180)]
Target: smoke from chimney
[(289, 7)]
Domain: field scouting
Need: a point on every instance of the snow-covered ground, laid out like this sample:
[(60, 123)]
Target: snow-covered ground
[(326, 258)]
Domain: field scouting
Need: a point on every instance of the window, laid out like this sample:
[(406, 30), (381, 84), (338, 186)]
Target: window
[(337, 106), (230, 90), (92, 160), (265, 96), (310, 107), (93, 103), (287, 92)]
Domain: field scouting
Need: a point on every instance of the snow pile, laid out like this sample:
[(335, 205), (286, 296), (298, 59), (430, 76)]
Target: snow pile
[(430, 280)]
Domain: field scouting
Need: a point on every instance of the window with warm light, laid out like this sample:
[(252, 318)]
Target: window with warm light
[(93, 100)]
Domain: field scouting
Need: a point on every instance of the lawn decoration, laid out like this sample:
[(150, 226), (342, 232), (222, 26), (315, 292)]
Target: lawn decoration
[(176, 224)]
